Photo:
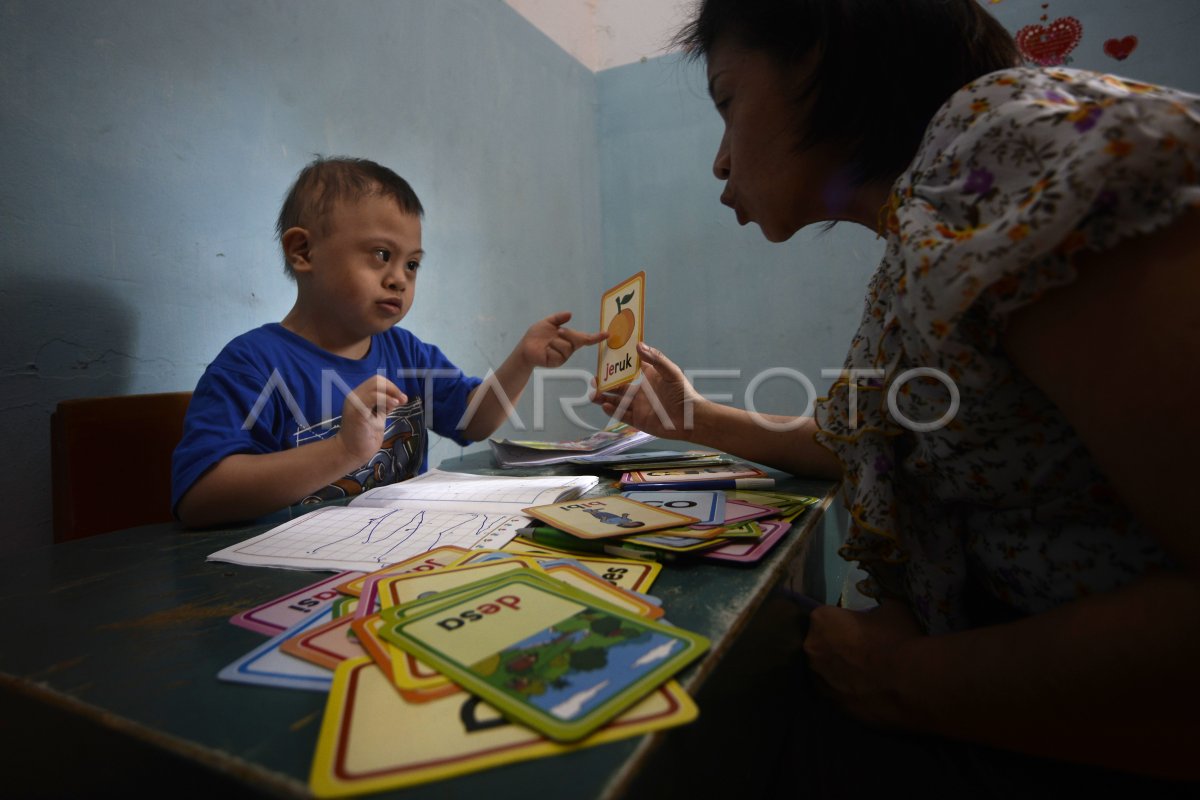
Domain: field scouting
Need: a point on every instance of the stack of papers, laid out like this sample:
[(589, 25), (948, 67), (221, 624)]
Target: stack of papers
[(510, 453), (455, 661)]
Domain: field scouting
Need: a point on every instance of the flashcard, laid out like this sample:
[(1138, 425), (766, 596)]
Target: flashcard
[(693, 532), (612, 515), (479, 556), (366, 630), (409, 674), (437, 557), (419, 682), (266, 665), (344, 606), (546, 654), (750, 552), (397, 590), (284, 612), (741, 511), (548, 563), (326, 645), (621, 310), (588, 582), (635, 575), (707, 507), (743, 530), (677, 544), (725, 472), (790, 505), (366, 743), (426, 562)]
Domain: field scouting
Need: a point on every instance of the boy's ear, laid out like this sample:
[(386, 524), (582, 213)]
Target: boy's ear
[(296, 243)]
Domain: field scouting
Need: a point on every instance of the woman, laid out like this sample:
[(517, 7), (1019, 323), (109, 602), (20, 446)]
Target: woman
[(1019, 511)]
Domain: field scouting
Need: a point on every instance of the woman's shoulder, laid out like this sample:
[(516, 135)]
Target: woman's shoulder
[(1025, 167), (1032, 103)]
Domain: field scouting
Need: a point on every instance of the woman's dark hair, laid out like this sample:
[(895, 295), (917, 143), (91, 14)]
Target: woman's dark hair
[(881, 70)]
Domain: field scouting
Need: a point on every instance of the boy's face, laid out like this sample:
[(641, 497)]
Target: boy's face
[(362, 271)]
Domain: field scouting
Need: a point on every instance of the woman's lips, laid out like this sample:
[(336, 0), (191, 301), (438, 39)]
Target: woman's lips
[(737, 210)]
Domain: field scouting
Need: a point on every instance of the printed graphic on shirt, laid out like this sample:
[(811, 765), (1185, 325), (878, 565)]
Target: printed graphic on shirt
[(398, 459)]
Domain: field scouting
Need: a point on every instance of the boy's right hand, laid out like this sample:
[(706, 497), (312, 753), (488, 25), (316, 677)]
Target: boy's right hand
[(364, 416)]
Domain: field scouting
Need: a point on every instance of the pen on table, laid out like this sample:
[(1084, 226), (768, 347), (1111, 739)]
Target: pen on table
[(558, 540), (724, 483)]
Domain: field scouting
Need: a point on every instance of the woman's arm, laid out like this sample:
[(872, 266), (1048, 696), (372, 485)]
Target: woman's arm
[(665, 404), (1110, 679)]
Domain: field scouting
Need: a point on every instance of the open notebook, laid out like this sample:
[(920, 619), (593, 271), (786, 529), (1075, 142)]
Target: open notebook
[(391, 523)]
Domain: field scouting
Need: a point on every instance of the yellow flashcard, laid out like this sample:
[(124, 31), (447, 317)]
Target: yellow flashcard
[(621, 310), (367, 744)]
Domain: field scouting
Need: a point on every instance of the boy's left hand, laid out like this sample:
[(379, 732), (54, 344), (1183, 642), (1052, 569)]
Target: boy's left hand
[(548, 344)]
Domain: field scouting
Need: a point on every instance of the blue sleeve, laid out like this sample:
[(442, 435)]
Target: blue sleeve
[(448, 391), (450, 402), (215, 426)]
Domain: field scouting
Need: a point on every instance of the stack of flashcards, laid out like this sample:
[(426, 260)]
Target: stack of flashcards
[(663, 524), (660, 459), (459, 660), (720, 476)]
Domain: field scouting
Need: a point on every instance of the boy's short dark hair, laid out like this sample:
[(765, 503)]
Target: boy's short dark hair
[(882, 68), (326, 181)]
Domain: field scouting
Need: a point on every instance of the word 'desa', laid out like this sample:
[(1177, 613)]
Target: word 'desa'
[(477, 613)]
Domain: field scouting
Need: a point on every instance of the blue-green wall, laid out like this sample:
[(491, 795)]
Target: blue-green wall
[(147, 145)]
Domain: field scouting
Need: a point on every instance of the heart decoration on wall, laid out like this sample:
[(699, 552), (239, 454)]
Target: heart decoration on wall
[(1048, 45), (1120, 48)]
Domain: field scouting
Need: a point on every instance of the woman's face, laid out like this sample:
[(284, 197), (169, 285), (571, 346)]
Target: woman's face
[(768, 179)]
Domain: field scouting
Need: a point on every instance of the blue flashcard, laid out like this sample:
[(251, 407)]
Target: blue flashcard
[(708, 506), (265, 665)]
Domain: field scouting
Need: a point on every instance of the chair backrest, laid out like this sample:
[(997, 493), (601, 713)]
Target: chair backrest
[(111, 461)]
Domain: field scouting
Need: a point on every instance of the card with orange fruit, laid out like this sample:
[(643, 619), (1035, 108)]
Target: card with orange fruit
[(621, 310)]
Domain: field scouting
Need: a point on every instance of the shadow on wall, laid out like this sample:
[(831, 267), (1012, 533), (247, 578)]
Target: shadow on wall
[(60, 341)]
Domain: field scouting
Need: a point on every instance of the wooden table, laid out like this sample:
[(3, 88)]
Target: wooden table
[(112, 645)]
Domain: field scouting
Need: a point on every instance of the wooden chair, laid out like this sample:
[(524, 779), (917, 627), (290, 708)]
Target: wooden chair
[(111, 461)]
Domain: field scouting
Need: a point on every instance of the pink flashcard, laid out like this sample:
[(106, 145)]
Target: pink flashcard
[(437, 558), (282, 613), (740, 511), (750, 552), (325, 645)]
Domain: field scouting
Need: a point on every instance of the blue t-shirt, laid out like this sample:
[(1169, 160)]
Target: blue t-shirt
[(270, 390)]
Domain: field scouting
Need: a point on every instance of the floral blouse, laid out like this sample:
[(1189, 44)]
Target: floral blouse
[(969, 493)]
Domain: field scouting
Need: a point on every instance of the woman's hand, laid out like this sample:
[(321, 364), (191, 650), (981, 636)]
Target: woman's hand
[(662, 403), (850, 652)]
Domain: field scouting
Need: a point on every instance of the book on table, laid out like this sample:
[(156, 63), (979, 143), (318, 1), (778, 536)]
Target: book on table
[(390, 523)]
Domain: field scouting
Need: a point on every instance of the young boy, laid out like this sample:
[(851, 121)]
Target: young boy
[(334, 399)]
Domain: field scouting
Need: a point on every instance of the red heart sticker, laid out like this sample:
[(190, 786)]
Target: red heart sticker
[(1120, 48), (1048, 45)]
